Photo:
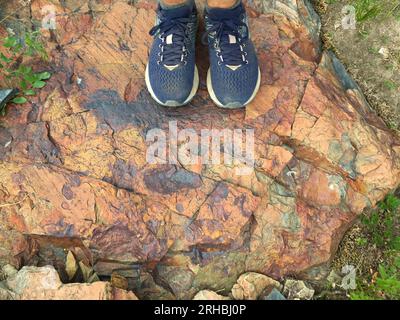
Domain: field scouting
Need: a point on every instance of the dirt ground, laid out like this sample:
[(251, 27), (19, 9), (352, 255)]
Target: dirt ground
[(371, 51)]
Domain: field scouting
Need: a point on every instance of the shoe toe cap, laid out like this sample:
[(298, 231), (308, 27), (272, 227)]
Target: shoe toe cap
[(171, 88), (235, 89)]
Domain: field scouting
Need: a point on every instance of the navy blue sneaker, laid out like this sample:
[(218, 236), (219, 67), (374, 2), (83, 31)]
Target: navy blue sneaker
[(171, 74), (234, 77)]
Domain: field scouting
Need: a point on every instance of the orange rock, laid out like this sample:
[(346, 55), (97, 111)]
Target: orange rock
[(321, 191), (276, 159)]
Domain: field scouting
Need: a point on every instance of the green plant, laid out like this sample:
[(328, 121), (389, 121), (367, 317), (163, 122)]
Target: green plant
[(383, 223), (362, 241), (388, 281), (360, 295), (386, 285), (366, 9), (391, 203), (395, 10), (382, 226), (16, 71)]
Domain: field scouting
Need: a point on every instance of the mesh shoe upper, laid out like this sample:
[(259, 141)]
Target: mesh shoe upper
[(171, 65), (233, 60)]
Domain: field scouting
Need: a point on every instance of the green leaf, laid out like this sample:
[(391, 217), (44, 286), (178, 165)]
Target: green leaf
[(29, 92), (31, 78), (10, 42), (17, 48), (23, 85), (24, 69), (397, 261), (38, 84), (19, 100), (29, 52), (382, 272), (44, 75), (392, 202), (4, 58), (28, 40), (396, 246)]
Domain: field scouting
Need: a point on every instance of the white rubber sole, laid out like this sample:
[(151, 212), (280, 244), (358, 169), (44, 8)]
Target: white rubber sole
[(234, 105), (172, 103)]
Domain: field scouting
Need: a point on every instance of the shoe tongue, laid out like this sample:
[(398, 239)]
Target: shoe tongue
[(232, 39), (178, 12), (221, 13)]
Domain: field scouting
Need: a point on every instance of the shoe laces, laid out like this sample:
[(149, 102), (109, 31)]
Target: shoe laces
[(172, 53), (229, 35)]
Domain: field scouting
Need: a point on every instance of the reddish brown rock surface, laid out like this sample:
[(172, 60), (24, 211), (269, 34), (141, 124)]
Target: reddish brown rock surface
[(74, 175)]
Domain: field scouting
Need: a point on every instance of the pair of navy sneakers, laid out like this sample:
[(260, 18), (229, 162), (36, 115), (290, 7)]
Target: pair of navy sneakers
[(172, 77)]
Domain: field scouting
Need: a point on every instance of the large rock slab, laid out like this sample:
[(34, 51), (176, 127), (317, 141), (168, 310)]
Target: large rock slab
[(73, 169)]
